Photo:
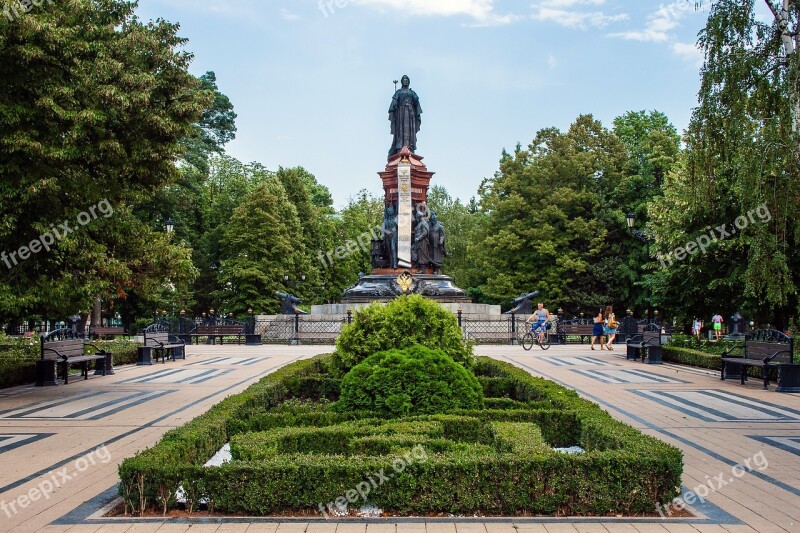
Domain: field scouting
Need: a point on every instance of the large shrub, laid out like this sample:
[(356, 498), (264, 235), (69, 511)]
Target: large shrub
[(404, 322), (416, 380)]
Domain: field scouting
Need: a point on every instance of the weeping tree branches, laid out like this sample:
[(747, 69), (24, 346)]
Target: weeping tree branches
[(744, 137)]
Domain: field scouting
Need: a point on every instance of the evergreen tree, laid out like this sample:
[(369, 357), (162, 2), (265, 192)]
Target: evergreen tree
[(257, 248)]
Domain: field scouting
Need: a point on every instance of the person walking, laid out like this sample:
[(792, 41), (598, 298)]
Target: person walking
[(611, 328), (697, 327), (599, 326), (716, 320)]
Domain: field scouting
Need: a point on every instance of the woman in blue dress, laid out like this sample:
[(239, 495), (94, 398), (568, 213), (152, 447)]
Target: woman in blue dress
[(597, 332)]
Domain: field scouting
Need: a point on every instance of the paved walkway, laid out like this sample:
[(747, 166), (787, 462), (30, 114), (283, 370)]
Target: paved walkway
[(60, 447)]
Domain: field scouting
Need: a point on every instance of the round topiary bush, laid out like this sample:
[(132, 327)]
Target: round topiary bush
[(416, 380), (404, 322)]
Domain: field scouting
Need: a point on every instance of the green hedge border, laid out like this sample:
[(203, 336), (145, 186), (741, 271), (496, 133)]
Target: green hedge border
[(622, 472), (700, 359)]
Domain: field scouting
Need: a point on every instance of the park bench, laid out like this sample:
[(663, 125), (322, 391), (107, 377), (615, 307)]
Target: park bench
[(646, 344), (212, 331), (315, 337), (765, 349), (491, 337), (105, 332), (583, 331), (159, 344), (65, 353)]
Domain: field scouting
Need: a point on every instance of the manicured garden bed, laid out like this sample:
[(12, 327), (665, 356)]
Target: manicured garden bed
[(297, 451)]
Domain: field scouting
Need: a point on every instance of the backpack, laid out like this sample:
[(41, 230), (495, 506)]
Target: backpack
[(612, 322)]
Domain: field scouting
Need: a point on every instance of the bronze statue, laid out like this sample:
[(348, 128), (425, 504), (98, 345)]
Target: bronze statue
[(390, 236), (422, 243), (405, 113), (438, 244), (289, 304)]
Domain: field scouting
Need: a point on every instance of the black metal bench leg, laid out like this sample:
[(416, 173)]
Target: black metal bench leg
[(743, 374), (722, 374), (765, 372)]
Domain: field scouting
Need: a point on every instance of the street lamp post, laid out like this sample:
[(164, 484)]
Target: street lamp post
[(641, 236)]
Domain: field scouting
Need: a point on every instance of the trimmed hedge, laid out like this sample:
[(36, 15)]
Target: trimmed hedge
[(400, 324), (491, 461), (697, 358), (416, 380)]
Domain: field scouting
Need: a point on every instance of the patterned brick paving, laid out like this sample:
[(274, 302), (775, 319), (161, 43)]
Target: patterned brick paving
[(54, 437)]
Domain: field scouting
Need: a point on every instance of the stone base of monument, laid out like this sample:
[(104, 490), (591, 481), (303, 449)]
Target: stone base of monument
[(468, 310), (388, 286)]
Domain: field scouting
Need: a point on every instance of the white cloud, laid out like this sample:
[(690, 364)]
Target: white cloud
[(562, 12), (689, 52), (659, 24), (552, 62), (560, 4), (288, 15), (480, 10)]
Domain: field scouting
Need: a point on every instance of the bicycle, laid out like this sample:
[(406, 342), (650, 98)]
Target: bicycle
[(533, 337)]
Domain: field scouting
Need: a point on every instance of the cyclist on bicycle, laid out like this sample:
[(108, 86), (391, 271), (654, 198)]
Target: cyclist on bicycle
[(541, 315)]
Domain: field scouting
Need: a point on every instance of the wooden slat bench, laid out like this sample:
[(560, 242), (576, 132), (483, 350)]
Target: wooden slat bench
[(160, 344), (584, 331), (104, 332), (647, 344), (315, 337), (491, 337), (765, 349), (65, 353), (214, 331)]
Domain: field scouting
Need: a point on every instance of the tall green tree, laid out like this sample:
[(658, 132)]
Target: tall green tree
[(742, 153), (257, 248), (94, 106), (183, 201), (460, 225), (545, 225), (653, 147)]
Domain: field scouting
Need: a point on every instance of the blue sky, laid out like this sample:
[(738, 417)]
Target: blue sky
[(312, 81)]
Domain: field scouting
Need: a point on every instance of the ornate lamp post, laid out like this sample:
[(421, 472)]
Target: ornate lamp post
[(641, 236), (294, 282)]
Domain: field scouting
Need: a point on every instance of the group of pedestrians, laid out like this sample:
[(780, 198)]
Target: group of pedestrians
[(716, 321), (605, 325)]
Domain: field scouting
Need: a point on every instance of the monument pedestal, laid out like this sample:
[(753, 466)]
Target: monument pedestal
[(388, 285)]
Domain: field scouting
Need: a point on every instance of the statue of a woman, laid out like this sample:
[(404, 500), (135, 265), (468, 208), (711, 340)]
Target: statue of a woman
[(405, 113)]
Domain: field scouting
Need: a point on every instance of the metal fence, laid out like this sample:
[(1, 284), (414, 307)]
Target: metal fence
[(308, 329)]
